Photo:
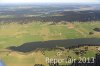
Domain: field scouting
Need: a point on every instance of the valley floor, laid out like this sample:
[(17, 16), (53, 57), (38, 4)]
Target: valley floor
[(14, 34)]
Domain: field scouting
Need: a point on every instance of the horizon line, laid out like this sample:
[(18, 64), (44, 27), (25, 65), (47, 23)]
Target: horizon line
[(50, 3)]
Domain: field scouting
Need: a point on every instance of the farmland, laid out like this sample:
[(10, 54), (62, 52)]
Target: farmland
[(30, 33), (15, 34)]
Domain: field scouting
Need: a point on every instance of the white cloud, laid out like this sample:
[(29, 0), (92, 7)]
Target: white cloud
[(67, 1)]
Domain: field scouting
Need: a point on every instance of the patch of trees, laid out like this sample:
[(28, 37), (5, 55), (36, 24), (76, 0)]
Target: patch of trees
[(38, 65), (80, 52), (97, 29), (95, 62), (54, 64), (91, 33)]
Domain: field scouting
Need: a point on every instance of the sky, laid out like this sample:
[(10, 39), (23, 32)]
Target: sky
[(49, 1)]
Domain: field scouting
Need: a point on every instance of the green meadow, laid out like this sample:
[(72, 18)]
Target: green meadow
[(15, 34)]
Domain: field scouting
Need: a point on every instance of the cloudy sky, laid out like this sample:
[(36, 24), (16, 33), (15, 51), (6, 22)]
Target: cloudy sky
[(49, 1)]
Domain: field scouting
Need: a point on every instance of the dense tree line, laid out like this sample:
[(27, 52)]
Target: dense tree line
[(68, 16), (96, 62)]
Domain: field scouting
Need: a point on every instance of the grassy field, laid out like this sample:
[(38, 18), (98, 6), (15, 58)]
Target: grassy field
[(14, 34)]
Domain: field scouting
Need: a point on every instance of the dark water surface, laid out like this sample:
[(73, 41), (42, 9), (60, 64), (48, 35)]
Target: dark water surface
[(69, 43)]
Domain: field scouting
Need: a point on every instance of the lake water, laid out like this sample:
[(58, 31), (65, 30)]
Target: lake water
[(68, 43)]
